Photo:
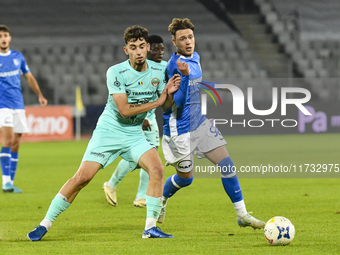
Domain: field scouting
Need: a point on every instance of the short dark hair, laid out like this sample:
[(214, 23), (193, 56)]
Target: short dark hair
[(179, 24), (155, 39), (135, 32), (4, 28)]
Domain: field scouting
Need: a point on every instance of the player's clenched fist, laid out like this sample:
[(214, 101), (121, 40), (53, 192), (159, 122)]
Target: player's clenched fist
[(183, 67)]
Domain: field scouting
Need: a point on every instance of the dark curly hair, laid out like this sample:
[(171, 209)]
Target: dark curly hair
[(136, 32)]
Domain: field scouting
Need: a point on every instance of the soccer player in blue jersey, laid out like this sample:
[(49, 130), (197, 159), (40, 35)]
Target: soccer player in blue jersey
[(135, 86), (12, 112), (150, 128), (187, 131)]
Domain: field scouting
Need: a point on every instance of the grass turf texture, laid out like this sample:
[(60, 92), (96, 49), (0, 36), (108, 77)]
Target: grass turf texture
[(201, 216)]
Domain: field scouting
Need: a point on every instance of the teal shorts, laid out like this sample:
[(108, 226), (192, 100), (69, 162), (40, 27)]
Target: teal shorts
[(105, 146), (153, 134)]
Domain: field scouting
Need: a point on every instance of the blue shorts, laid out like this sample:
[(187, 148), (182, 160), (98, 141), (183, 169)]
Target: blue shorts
[(105, 146)]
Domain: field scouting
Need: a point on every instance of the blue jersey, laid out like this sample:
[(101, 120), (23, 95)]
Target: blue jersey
[(185, 115), (12, 65)]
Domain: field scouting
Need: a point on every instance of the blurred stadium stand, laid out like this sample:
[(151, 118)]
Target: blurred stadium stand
[(73, 42), (308, 33)]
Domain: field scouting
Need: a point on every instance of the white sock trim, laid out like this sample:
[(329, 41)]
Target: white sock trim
[(5, 179), (174, 183), (62, 197), (240, 208), (5, 154), (109, 184), (150, 223), (46, 223)]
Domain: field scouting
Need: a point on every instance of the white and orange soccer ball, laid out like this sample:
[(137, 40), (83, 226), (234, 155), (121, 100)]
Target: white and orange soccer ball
[(279, 231)]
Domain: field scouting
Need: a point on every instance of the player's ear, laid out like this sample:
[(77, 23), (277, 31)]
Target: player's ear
[(148, 46), (174, 41), (126, 51)]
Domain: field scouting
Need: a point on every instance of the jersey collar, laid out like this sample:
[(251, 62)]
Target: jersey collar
[(5, 54), (189, 57)]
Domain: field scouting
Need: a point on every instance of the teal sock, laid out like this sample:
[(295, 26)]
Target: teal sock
[(153, 207), (120, 172), (143, 183), (58, 205)]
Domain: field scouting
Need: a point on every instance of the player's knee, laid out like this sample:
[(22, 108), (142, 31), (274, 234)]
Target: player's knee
[(16, 142), (7, 141), (156, 172), (80, 179), (79, 182)]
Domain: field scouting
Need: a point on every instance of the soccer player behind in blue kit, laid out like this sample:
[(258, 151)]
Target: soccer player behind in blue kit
[(135, 86), (187, 131), (150, 128), (13, 121)]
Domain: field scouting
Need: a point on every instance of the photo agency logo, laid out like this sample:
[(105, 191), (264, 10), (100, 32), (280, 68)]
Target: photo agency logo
[(288, 97)]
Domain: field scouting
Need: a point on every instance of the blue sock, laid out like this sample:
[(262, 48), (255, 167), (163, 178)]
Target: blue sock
[(229, 180), (5, 160), (174, 183), (14, 164)]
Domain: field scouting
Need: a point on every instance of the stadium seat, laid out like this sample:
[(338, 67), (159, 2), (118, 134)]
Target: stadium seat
[(265, 8), (64, 58), (323, 73), (278, 27), (310, 73), (246, 74), (271, 18), (79, 58), (37, 59)]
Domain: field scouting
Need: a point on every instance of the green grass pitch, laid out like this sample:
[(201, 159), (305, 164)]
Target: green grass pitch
[(201, 216)]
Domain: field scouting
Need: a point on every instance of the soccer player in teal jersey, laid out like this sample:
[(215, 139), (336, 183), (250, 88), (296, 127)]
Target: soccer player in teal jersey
[(150, 128), (13, 121), (135, 86)]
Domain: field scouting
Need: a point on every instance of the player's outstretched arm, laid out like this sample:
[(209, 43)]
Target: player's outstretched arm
[(32, 82), (125, 109)]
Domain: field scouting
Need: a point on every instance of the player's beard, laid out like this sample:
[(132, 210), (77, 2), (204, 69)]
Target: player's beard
[(140, 63), (4, 48)]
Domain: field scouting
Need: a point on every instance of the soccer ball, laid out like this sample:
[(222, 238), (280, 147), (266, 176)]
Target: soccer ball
[(279, 231)]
